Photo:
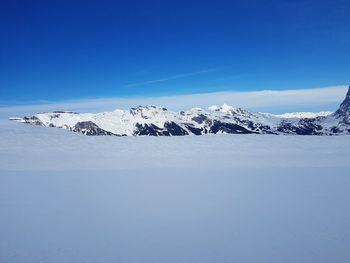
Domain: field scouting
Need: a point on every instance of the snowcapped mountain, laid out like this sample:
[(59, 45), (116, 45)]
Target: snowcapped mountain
[(156, 121)]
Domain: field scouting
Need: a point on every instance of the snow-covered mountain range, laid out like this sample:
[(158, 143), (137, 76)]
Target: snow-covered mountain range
[(157, 121)]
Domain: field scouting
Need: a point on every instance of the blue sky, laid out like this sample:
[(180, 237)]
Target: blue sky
[(64, 50)]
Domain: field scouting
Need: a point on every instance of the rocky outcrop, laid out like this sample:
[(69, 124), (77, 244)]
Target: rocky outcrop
[(343, 113), (89, 128)]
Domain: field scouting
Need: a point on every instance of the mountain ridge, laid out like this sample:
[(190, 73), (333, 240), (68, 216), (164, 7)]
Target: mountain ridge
[(152, 120)]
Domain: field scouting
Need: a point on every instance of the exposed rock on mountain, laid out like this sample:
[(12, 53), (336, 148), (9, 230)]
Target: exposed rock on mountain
[(89, 128), (343, 113)]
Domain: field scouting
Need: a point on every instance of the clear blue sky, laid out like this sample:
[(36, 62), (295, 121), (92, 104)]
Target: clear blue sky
[(57, 50)]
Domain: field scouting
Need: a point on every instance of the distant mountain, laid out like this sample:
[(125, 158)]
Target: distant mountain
[(156, 121), (304, 115)]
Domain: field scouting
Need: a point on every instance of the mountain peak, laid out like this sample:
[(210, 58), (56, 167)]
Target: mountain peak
[(348, 94), (223, 108), (344, 110), (148, 108), (346, 101)]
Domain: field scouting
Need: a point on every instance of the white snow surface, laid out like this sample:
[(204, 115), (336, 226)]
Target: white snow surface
[(66, 197), (301, 115)]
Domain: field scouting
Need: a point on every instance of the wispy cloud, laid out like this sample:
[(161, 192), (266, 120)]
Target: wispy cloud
[(274, 101), (178, 76)]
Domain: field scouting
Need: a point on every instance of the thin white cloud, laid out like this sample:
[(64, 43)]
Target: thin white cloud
[(178, 76), (280, 101)]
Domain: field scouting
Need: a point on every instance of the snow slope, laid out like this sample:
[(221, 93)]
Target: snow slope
[(301, 115), (226, 198)]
